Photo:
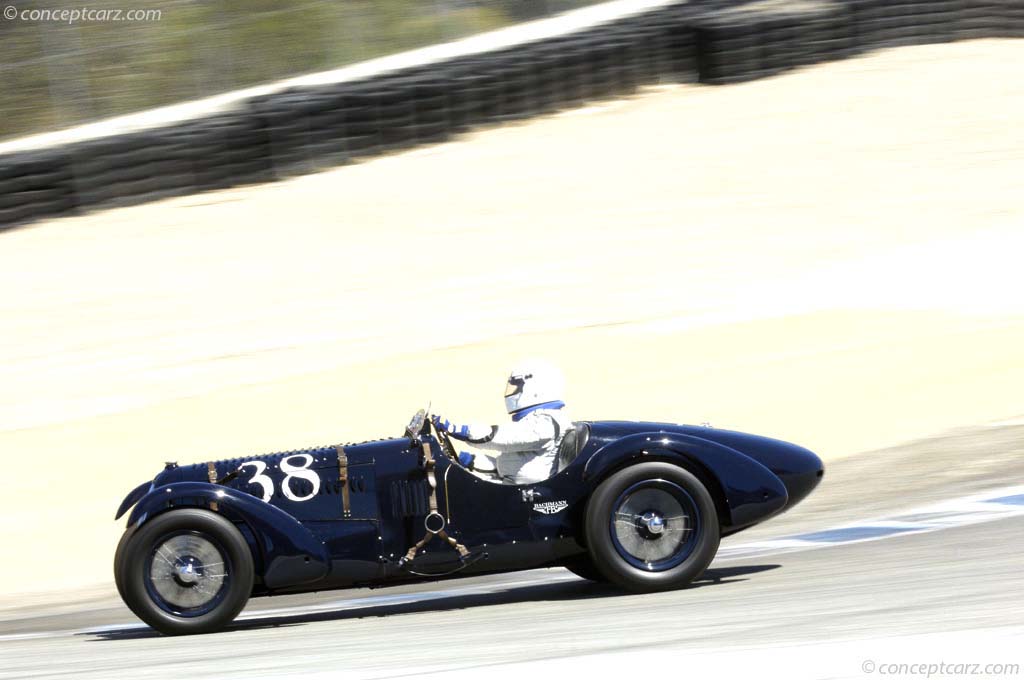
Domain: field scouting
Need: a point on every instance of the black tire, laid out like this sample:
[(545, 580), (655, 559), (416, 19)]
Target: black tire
[(584, 568), (118, 563), (186, 571), (651, 527)]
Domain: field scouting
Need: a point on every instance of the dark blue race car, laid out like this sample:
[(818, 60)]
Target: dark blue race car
[(640, 505)]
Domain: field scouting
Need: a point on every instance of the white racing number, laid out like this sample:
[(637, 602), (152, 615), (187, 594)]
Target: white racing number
[(299, 472), (291, 471), (265, 482)]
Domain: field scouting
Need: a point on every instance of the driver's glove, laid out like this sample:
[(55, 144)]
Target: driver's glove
[(466, 459), (445, 424)]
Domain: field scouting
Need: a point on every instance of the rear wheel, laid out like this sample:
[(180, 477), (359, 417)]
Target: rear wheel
[(652, 527), (186, 571)]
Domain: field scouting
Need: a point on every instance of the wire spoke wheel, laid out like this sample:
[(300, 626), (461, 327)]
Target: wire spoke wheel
[(185, 571), (188, 574), (654, 525), (651, 526)]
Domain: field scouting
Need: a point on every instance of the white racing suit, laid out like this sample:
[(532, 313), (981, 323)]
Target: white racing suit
[(527, 447)]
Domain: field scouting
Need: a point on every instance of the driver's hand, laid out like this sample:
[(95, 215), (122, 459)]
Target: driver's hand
[(466, 459), (443, 424)]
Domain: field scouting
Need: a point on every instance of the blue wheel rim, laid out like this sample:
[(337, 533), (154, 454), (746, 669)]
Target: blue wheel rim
[(655, 525)]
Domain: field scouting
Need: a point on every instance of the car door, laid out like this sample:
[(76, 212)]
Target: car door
[(482, 511)]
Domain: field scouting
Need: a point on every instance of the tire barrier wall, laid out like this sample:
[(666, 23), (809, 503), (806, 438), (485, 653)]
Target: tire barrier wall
[(303, 129)]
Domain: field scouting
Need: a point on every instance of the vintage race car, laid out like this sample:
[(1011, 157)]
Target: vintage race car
[(639, 505)]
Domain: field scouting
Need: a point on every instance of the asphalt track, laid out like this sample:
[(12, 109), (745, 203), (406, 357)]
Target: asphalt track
[(953, 593)]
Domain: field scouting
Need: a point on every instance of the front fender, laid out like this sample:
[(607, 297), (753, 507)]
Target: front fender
[(133, 497), (291, 554), (751, 491)]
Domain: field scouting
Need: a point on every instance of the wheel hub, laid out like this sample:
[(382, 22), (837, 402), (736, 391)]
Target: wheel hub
[(189, 572), (652, 522)]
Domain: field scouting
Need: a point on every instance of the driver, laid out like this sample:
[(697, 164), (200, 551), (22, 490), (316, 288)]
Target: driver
[(528, 446)]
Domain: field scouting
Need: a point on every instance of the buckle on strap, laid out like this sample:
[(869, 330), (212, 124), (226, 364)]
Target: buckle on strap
[(438, 521)]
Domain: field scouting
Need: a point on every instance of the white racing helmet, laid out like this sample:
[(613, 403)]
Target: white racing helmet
[(531, 383)]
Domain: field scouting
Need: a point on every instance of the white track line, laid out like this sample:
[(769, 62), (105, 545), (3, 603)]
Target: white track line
[(973, 509)]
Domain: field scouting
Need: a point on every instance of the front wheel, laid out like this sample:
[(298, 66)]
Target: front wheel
[(186, 571), (652, 526)]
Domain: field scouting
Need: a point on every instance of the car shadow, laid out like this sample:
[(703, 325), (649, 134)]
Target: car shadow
[(569, 590)]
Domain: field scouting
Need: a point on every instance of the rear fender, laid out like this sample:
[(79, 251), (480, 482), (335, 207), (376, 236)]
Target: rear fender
[(750, 491), (291, 554)]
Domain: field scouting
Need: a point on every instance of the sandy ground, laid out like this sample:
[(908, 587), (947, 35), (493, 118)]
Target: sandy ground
[(829, 256)]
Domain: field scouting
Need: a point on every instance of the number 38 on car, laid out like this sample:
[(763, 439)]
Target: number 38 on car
[(639, 505)]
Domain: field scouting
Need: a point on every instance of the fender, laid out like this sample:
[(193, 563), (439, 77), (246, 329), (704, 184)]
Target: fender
[(751, 491), (291, 554), (133, 497)]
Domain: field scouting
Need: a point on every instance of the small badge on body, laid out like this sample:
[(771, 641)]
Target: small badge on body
[(551, 507)]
